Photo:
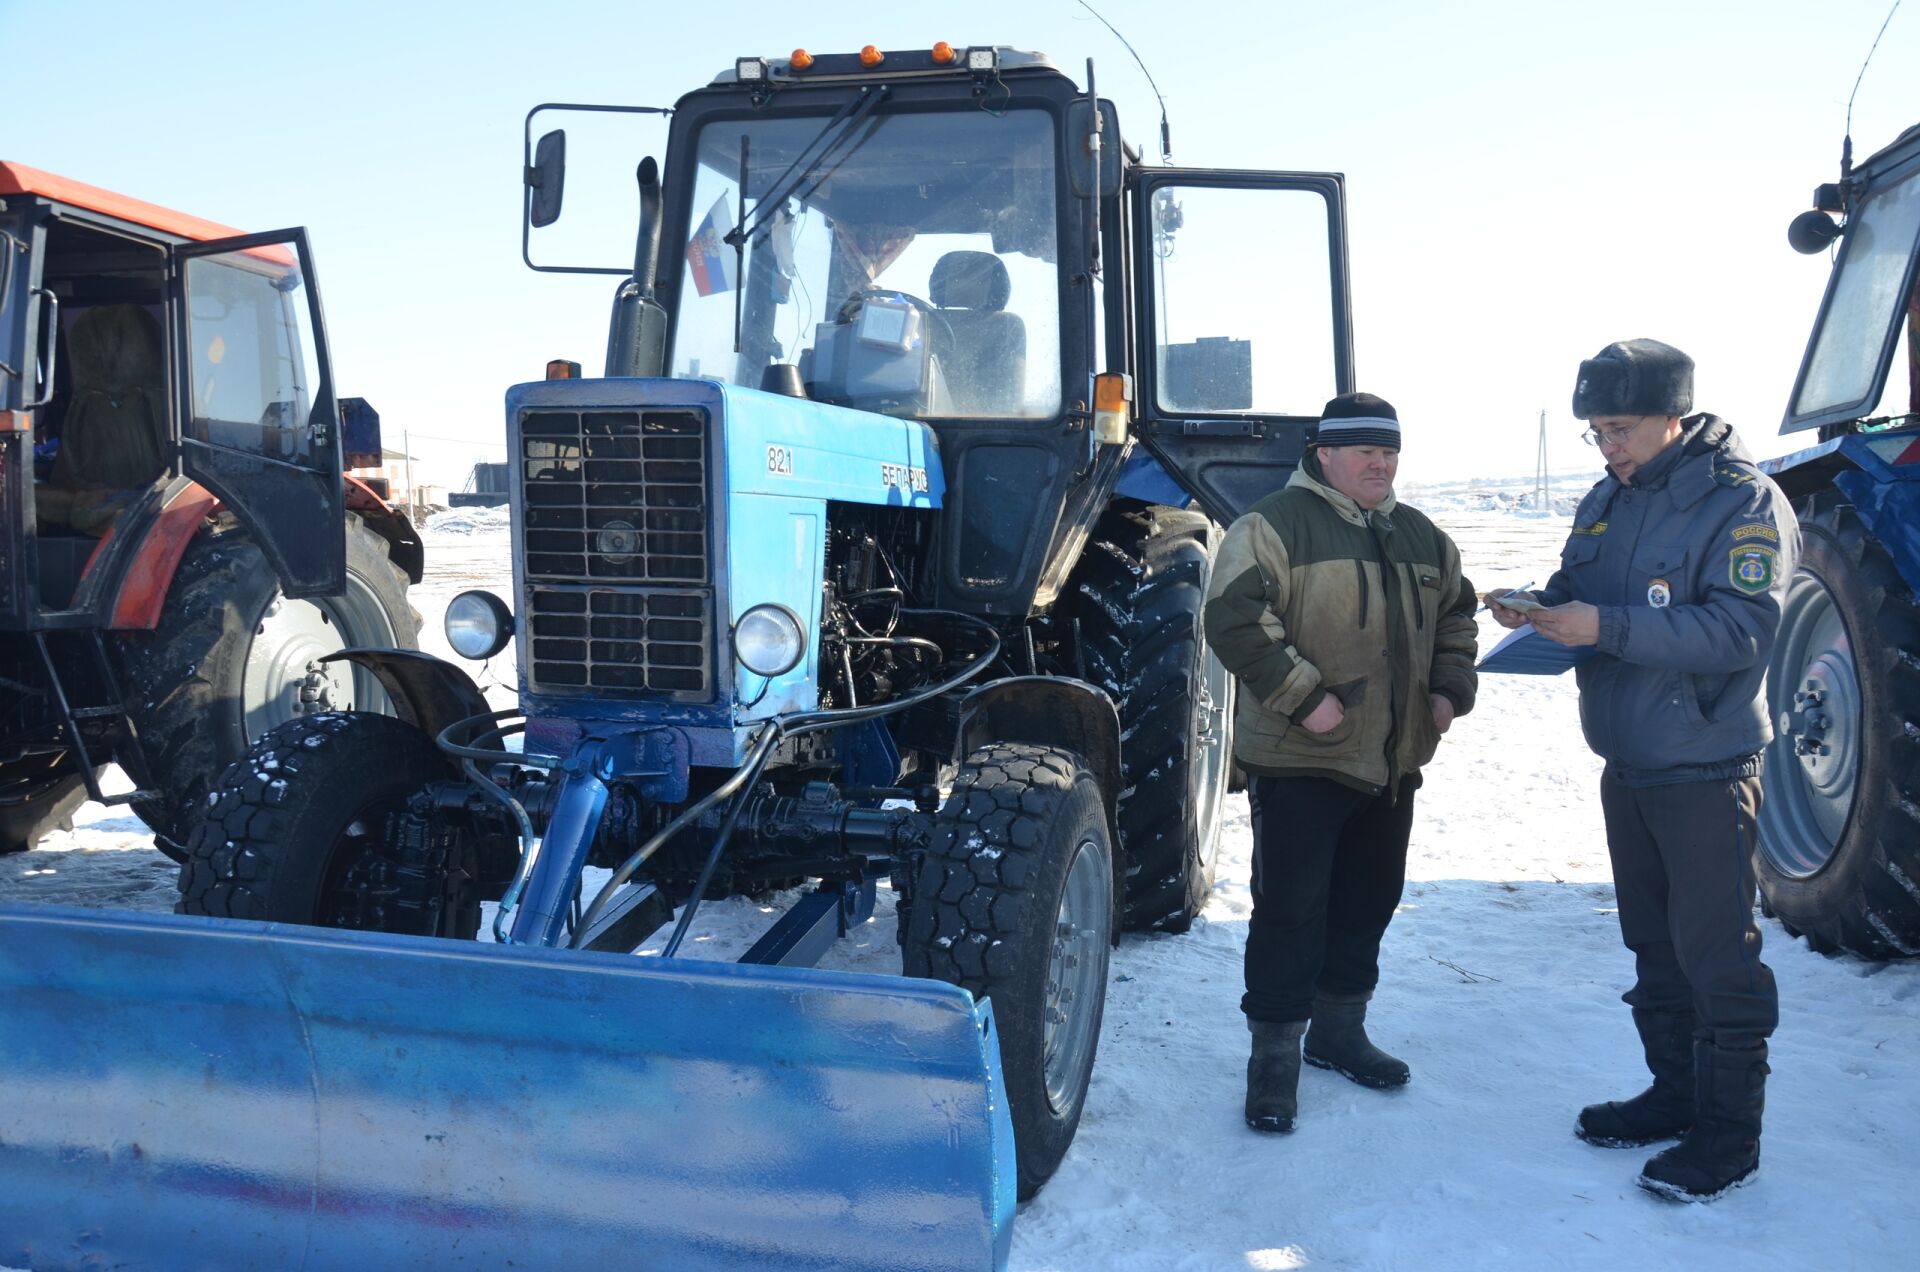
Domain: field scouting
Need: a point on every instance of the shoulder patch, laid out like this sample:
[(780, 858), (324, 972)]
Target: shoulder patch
[(1733, 475), (1756, 530), (1751, 568), (1598, 527)]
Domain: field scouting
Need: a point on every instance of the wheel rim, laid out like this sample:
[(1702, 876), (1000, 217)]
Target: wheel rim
[(1813, 691), (284, 676), (1076, 970), (1213, 755)]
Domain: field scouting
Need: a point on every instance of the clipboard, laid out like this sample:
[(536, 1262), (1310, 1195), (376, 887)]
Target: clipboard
[(1525, 652)]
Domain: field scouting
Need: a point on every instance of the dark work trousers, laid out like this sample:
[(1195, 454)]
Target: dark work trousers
[(1683, 873), (1328, 865)]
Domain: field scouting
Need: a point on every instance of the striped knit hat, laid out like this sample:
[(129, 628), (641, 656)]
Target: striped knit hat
[(1357, 419)]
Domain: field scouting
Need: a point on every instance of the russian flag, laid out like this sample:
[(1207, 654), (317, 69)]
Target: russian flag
[(708, 255)]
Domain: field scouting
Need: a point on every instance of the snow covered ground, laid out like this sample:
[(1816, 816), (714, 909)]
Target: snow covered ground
[(1501, 983)]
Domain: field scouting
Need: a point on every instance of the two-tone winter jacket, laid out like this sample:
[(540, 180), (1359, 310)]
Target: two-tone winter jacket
[(1312, 596), (1687, 562)]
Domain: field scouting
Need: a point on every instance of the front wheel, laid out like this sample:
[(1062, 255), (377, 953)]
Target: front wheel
[(1839, 851), (306, 829), (1014, 901)]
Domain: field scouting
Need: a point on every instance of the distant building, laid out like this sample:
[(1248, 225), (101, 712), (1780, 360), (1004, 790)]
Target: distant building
[(389, 478)]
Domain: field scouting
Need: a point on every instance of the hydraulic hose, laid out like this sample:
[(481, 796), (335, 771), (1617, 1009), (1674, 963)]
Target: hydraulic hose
[(777, 728)]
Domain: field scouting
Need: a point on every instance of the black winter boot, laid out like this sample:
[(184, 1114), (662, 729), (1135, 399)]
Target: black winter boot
[(1722, 1150), (1665, 1109), (1273, 1074), (1337, 1040)]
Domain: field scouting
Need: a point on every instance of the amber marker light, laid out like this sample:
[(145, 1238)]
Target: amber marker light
[(1111, 394), (801, 60), (943, 54), (561, 369), (870, 56)]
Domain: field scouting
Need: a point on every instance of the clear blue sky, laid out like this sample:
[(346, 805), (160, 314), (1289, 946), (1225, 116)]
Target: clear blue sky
[(1527, 181)]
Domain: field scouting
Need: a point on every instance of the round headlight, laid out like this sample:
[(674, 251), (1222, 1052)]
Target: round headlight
[(478, 624), (769, 641)]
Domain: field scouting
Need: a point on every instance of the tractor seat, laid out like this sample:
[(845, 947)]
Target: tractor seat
[(982, 348), (113, 438)]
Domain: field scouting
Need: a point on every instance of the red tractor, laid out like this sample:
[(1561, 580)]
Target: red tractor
[(180, 549)]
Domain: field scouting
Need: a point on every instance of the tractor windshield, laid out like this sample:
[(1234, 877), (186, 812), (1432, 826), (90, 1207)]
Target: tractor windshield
[(1867, 298), (911, 266)]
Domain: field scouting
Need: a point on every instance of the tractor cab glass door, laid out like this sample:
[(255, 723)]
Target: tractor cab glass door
[(260, 425), (1241, 278), (1865, 308)]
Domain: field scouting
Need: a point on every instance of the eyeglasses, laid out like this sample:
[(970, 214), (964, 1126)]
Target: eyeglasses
[(1610, 436)]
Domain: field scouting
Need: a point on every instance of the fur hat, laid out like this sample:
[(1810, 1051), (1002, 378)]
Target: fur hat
[(1357, 419), (1634, 377)]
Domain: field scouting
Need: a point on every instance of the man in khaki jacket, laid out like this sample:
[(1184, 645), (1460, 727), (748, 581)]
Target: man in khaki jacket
[(1345, 616)]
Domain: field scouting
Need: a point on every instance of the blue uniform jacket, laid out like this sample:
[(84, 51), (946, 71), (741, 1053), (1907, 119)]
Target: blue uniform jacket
[(1688, 563)]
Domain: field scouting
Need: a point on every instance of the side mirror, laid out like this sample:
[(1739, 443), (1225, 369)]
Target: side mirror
[(547, 178), (1080, 158)]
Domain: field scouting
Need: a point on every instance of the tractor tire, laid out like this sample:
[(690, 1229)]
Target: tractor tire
[(1839, 844), (231, 658), (1014, 901), (1138, 598), (300, 831), (24, 824)]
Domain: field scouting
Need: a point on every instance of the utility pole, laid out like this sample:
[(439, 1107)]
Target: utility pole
[(413, 500), (1540, 470)]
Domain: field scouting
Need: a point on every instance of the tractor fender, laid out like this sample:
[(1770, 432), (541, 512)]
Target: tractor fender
[(403, 540), (1052, 711), (163, 540), (427, 692), (1880, 476)]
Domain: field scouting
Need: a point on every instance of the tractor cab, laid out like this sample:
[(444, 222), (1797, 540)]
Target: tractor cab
[(147, 358), (1860, 371), (960, 237)]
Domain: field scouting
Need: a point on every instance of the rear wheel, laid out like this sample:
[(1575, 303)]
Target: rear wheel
[(1839, 850), (1014, 901), (305, 830), (1139, 595), (232, 658)]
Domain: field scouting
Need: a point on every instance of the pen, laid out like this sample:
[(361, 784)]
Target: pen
[(1509, 592)]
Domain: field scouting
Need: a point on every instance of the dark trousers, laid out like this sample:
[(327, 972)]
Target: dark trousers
[(1328, 865), (1683, 873)]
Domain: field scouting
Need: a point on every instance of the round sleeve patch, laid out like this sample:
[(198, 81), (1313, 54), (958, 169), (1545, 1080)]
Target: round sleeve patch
[(1752, 568)]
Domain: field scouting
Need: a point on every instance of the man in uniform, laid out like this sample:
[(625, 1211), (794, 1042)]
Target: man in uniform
[(1675, 572), (1347, 621)]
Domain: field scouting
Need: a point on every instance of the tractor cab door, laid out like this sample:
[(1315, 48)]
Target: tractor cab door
[(259, 424), (1244, 324)]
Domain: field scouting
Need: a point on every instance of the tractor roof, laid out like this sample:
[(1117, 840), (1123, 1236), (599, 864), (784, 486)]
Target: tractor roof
[(17, 178)]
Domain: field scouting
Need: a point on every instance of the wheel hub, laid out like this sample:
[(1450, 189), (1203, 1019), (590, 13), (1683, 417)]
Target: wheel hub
[(1814, 691)]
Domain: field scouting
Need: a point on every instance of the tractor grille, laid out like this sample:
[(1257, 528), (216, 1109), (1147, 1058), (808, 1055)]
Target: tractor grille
[(618, 552)]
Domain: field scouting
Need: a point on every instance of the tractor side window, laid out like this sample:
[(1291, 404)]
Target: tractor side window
[(914, 270), (1864, 301), (1242, 293), (253, 365)]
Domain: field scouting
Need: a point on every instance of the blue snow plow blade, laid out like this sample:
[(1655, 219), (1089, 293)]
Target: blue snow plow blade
[(182, 1092)]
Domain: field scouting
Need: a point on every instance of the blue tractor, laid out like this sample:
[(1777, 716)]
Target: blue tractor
[(872, 567), (1839, 850)]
